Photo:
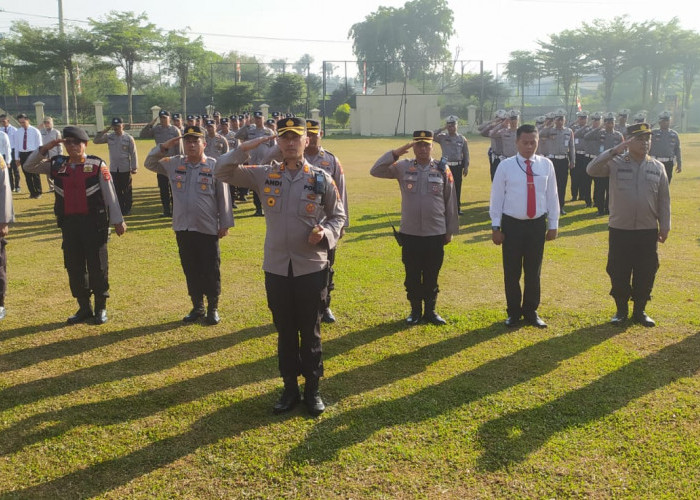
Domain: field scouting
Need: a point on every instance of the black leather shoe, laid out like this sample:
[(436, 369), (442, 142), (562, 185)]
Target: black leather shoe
[(101, 316), (195, 314), (620, 318), (643, 319), (213, 317), (562, 212), (234, 206), (414, 318), (258, 213), (459, 212), (535, 320), (328, 316), (166, 214), (434, 318), (314, 404), (288, 400), (83, 314), (512, 321)]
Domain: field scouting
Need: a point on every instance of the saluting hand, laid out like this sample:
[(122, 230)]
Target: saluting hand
[(164, 147), (398, 153), (254, 143)]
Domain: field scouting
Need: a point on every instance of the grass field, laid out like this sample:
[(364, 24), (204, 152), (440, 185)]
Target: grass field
[(147, 407)]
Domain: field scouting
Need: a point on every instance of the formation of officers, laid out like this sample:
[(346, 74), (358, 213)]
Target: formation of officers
[(301, 186)]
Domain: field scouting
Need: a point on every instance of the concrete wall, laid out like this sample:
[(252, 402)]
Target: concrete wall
[(378, 112)]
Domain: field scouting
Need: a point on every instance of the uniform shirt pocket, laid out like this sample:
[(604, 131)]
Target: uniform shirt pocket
[(178, 182), (435, 184), (310, 205), (205, 184), (410, 182)]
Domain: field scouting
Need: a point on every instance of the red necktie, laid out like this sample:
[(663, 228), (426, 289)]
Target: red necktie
[(531, 203), (24, 143)]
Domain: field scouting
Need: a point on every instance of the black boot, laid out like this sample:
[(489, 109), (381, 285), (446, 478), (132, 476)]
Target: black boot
[(430, 315), (639, 316), (84, 312), (312, 398), (212, 310), (416, 312), (622, 311), (289, 397), (100, 310), (197, 310)]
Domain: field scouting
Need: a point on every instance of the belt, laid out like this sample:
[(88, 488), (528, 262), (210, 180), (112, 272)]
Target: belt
[(591, 156), (454, 163), (558, 157), (580, 152), (662, 159)]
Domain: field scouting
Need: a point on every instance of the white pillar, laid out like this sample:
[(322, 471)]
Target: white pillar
[(471, 119), (154, 112), (265, 108), (99, 116), (210, 110), (39, 108)]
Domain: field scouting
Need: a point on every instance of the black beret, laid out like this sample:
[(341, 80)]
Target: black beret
[(75, 133)]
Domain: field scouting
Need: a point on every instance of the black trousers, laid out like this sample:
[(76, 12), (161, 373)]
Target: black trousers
[(561, 170), (632, 263), (14, 173), (256, 201), (422, 258), (166, 195), (200, 258), (601, 187), (3, 271), (33, 180), (523, 248), (494, 166), (295, 303), (457, 172), (668, 165), (584, 180), (122, 185), (85, 257)]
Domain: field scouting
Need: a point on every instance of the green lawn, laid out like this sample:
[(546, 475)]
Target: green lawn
[(146, 406)]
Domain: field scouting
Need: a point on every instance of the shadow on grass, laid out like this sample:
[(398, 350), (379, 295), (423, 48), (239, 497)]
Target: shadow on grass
[(513, 437), (355, 426), (29, 330), (141, 364), (226, 422)]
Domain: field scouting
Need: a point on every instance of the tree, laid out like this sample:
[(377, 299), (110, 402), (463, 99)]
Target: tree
[(342, 114), (287, 91), (522, 69), (562, 58), (416, 35), (301, 67), (42, 51), (689, 57), (181, 55), (482, 90), (278, 66), (233, 97), (605, 45), (126, 39)]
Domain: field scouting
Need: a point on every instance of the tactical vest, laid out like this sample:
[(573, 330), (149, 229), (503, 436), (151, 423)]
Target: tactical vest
[(78, 190)]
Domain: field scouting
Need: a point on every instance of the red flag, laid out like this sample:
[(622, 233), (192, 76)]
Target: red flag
[(238, 69)]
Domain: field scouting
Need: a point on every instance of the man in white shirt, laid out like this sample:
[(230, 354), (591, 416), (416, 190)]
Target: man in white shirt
[(13, 169), (524, 213), (27, 139)]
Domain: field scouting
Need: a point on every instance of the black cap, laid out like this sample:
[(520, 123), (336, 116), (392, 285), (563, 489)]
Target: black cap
[(296, 125), (193, 130), (313, 126), (116, 120), (270, 121), (289, 115), (638, 129), (224, 120), (176, 115), (211, 122), (423, 136), (241, 117), (233, 117), (257, 114), (75, 133), (22, 115), (205, 116), (190, 117), (275, 114), (162, 112)]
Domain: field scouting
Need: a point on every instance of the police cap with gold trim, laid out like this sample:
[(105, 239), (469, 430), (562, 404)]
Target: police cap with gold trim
[(638, 129), (313, 126), (294, 124), (423, 136), (194, 131)]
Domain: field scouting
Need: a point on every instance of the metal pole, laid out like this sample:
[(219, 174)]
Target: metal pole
[(64, 87)]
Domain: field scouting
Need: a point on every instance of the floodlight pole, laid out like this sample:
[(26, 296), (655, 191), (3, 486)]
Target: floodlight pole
[(64, 87)]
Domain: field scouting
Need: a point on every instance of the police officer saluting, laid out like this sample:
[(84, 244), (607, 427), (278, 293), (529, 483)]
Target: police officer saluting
[(201, 216), (86, 205), (123, 161), (428, 219), (640, 219), (666, 145), (304, 215), (456, 150)]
